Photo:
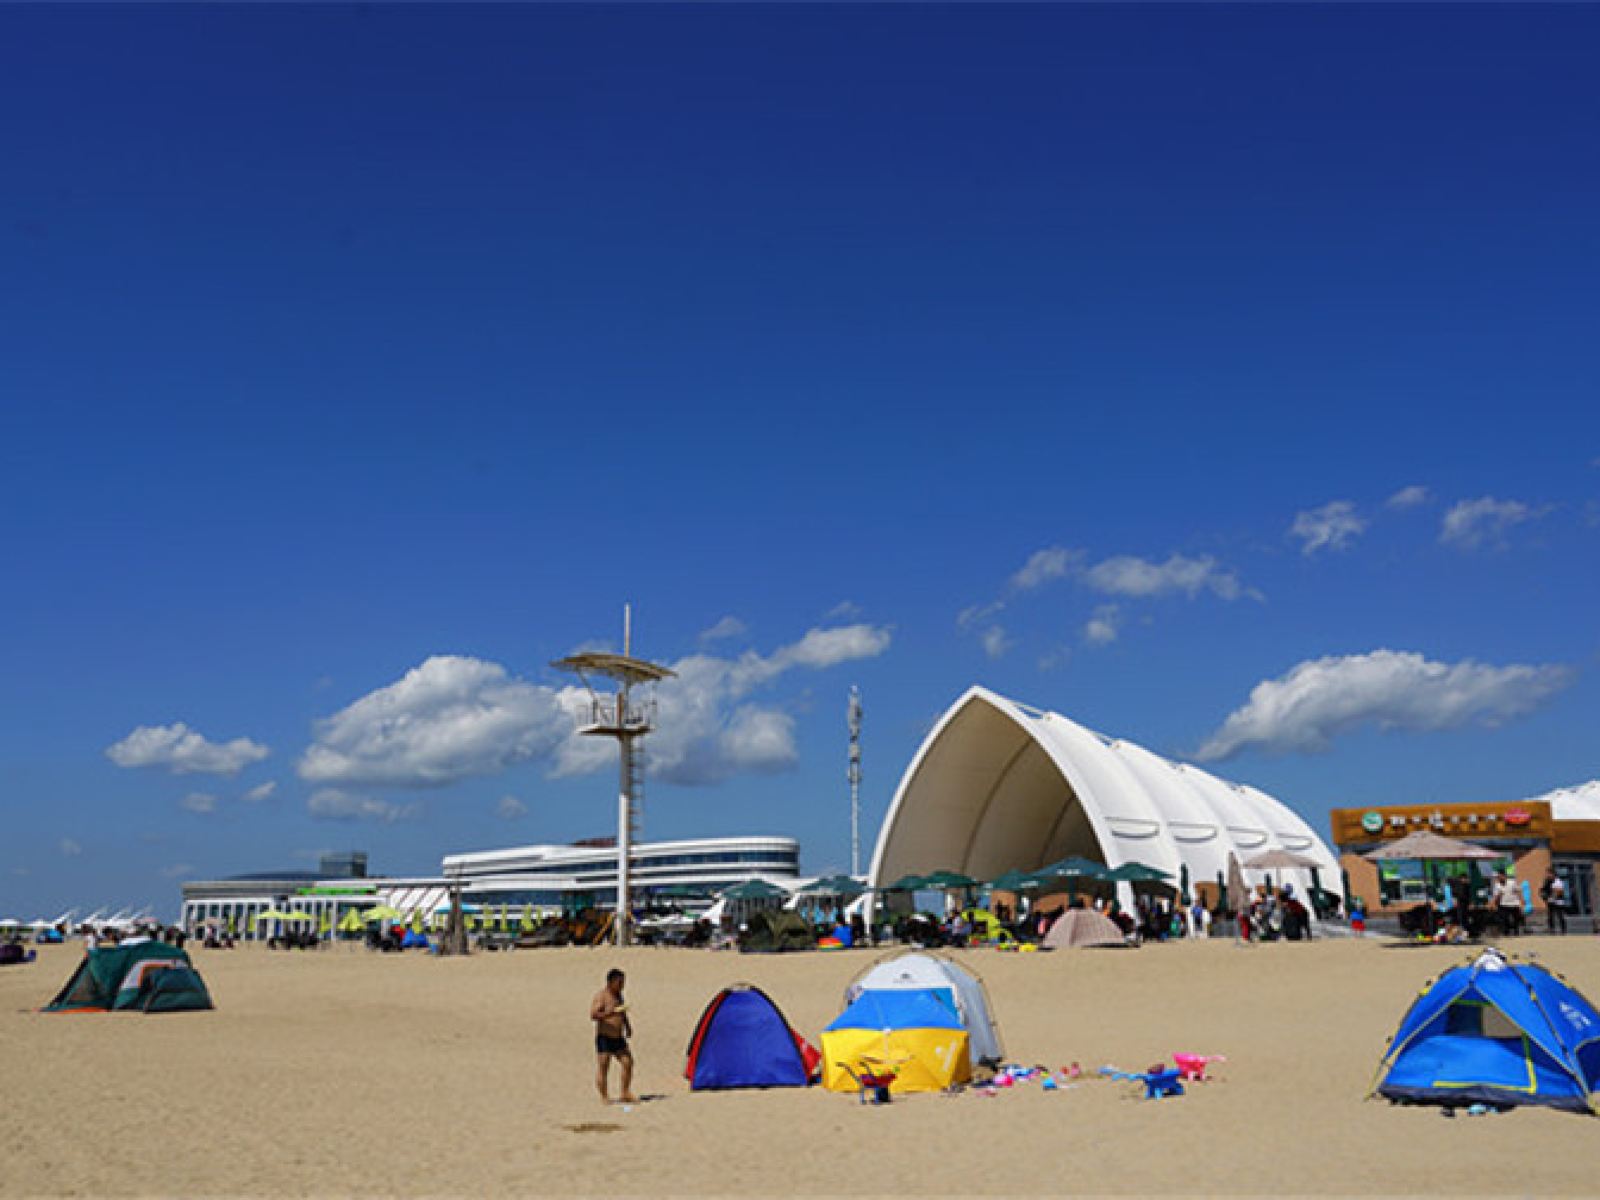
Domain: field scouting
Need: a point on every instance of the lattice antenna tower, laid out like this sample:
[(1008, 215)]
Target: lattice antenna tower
[(627, 718), (854, 775)]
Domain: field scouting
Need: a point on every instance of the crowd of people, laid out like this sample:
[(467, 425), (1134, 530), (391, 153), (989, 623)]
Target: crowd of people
[(1503, 906)]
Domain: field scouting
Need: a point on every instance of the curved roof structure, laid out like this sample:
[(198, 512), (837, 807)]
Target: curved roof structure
[(999, 785)]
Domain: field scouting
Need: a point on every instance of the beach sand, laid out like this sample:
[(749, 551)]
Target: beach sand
[(347, 1072)]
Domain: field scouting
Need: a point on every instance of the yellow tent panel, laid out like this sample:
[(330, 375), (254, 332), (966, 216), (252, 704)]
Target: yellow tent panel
[(922, 1060)]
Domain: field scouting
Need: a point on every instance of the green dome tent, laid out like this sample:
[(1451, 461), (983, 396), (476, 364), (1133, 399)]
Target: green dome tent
[(142, 977)]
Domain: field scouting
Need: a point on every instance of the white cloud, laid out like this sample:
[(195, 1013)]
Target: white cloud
[(261, 791), (335, 804), (1053, 562), (995, 642), (510, 808), (1414, 496), (183, 751), (199, 802), (177, 871), (728, 627), (446, 720), (1319, 699), (1051, 659), (845, 610), (452, 718), (976, 614), (1332, 527), (1472, 524), (69, 848), (1127, 575), (1103, 626), (822, 648)]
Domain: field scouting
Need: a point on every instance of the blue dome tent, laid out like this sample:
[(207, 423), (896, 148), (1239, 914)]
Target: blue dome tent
[(1496, 1032), (742, 1040)]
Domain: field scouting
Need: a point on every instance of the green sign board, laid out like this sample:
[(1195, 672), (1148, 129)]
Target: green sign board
[(1372, 822), (358, 889)]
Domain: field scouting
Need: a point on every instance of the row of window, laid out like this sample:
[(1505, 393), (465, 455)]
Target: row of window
[(776, 860)]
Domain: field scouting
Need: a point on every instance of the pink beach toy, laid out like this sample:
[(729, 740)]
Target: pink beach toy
[(1193, 1066)]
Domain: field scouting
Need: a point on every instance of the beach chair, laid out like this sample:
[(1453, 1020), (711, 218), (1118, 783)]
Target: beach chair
[(873, 1080)]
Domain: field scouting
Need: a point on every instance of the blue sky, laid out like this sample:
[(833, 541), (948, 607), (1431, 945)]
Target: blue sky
[(356, 362)]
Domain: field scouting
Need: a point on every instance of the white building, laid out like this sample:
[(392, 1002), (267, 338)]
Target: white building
[(584, 876), (550, 879), (998, 785)]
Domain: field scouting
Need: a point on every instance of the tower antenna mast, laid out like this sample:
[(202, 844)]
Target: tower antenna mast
[(627, 719), (854, 775)]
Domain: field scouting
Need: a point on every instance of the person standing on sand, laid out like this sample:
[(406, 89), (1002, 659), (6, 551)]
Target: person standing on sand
[(612, 1029)]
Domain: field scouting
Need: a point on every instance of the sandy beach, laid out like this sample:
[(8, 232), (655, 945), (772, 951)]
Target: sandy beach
[(347, 1072)]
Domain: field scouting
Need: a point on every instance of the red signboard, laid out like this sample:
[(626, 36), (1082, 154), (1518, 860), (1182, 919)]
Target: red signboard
[(1518, 816)]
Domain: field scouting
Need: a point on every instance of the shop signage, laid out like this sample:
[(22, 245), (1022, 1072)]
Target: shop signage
[(1517, 816), (1372, 822)]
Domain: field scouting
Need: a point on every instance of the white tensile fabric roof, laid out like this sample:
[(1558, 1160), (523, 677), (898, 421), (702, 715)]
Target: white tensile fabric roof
[(1580, 802), (998, 785)]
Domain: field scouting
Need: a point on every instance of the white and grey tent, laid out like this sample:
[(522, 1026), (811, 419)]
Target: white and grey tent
[(916, 970)]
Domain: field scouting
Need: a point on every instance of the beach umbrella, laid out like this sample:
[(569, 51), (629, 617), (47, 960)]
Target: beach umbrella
[(325, 926), (949, 881), (1426, 846), (1073, 871), (505, 920), (906, 883), (753, 889), (351, 921), (1236, 888), (1133, 872), (1072, 868), (269, 914), (833, 885), (381, 912), (526, 925), (416, 920), (1279, 860), (1013, 881), (297, 916)]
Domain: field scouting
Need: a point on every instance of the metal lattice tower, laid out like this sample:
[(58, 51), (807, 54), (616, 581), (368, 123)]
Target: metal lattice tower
[(854, 775), (620, 715)]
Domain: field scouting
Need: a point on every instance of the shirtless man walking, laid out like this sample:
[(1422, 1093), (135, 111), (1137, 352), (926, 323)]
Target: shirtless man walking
[(612, 1029)]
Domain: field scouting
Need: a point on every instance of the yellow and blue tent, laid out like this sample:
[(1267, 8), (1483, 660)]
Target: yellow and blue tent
[(913, 1034)]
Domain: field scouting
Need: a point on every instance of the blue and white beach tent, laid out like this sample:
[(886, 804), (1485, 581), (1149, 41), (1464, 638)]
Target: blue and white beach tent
[(1496, 1032)]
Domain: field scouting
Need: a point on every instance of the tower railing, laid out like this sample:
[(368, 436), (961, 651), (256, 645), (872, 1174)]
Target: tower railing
[(639, 716)]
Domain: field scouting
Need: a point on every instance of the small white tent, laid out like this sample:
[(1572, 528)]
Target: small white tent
[(918, 969)]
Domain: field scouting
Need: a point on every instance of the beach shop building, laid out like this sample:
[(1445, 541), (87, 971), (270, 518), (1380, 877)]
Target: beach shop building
[(1560, 829)]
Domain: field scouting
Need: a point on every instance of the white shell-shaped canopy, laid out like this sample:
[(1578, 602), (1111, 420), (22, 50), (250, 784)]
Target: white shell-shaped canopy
[(998, 786)]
